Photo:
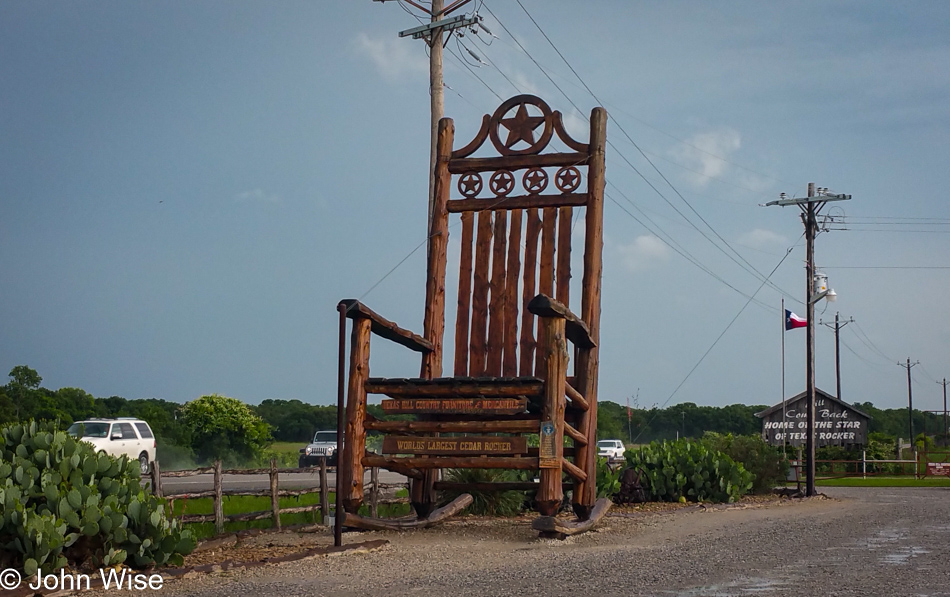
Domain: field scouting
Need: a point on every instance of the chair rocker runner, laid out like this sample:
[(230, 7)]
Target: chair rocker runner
[(514, 329)]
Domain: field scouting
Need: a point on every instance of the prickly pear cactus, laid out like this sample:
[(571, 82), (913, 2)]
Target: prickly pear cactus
[(685, 470), (63, 503)]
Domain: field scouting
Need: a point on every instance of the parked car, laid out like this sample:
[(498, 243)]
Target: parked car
[(323, 447), (611, 449), (124, 436)]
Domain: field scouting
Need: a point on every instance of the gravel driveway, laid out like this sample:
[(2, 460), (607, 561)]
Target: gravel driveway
[(887, 542)]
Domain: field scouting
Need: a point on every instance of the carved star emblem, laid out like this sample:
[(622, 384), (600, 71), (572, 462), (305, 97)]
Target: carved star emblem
[(568, 179), (536, 180), (521, 127), (471, 184), (502, 182)]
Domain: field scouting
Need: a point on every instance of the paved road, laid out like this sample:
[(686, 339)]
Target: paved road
[(197, 483), (866, 542)]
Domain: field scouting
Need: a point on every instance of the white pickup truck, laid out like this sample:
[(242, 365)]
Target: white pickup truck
[(611, 449)]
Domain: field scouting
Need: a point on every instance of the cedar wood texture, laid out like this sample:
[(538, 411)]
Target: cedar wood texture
[(505, 242)]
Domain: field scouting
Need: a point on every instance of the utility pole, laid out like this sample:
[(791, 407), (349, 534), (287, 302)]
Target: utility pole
[(946, 425), (837, 327), (810, 207), (436, 101), (433, 36), (910, 399)]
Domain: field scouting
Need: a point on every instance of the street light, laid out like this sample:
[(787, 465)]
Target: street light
[(822, 291)]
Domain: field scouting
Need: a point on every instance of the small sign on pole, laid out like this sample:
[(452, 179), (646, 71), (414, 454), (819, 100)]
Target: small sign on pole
[(547, 453)]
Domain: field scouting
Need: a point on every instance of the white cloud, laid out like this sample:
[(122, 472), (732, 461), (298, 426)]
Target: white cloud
[(257, 195), (576, 126), (643, 253), (762, 239), (394, 58), (707, 154)]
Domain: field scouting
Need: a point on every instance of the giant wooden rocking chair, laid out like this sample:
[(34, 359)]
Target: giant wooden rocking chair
[(506, 384)]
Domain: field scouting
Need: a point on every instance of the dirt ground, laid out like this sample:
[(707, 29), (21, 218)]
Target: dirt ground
[(855, 542)]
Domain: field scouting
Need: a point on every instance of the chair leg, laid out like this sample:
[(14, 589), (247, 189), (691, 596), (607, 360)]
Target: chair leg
[(350, 463), (422, 494), (550, 492)]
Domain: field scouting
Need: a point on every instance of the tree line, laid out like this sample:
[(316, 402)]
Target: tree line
[(24, 398)]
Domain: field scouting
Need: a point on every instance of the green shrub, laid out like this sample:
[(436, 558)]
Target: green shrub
[(766, 463), (489, 503), (62, 503), (173, 457), (608, 479), (689, 470), (225, 429)]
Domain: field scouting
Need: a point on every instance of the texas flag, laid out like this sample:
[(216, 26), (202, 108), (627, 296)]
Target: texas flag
[(793, 321)]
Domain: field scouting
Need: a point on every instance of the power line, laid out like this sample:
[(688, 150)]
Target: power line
[(748, 267), (875, 366), (684, 253), (885, 267), (713, 345), (868, 342), (671, 243)]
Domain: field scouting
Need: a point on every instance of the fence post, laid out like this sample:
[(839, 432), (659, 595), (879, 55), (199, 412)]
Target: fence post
[(374, 496), (274, 495), (218, 500), (864, 464), (324, 493), (156, 479)]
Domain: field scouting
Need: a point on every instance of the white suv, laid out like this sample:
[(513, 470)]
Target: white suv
[(611, 449), (123, 436)]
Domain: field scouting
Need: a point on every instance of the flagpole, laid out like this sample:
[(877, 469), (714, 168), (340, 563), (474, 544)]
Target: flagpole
[(784, 431)]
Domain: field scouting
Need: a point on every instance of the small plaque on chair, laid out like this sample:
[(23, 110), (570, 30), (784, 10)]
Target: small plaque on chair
[(547, 451), (465, 406), (475, 445)]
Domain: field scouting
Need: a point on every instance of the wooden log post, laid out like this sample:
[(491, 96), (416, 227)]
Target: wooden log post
[(587, 364), (422, 494), (554, 372), (218, 499), (350, 465), (374, 494), (156, 479), (274, 496), (324, 492)]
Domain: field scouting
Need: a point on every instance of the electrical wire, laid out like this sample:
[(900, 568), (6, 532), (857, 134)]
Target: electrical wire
[(676, 247), (870, 344), (748, 267), (713, 345), (875, 366), (885, 267), (464, 63)]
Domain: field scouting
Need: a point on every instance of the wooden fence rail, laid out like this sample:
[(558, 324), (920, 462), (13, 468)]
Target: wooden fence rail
[(218, 493)]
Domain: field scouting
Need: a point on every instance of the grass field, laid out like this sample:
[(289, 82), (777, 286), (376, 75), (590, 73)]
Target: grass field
[(287, 447), (885, 482), (244, 504)]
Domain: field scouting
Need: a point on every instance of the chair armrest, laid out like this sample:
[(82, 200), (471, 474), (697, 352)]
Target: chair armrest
[(385, 328), (575, 328)]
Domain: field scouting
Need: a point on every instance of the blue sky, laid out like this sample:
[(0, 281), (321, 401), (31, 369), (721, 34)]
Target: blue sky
[(188, 188)]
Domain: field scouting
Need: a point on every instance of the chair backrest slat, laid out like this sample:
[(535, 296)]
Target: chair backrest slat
[(548, 231), (527, 343), (546, 272), (478, 341), (496, 309), (563, 292), (510, 359), (464, 294)]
